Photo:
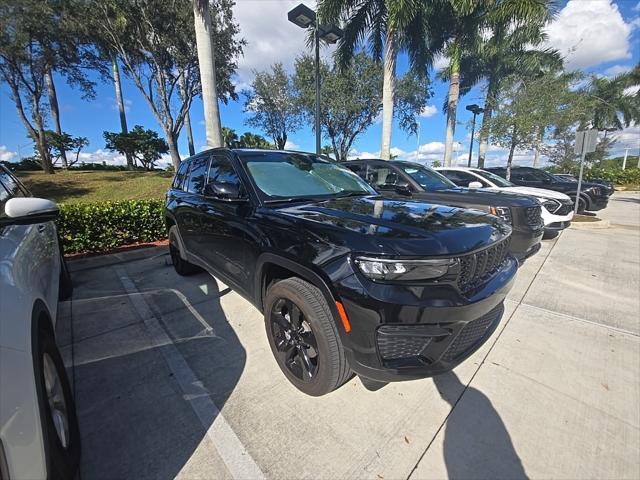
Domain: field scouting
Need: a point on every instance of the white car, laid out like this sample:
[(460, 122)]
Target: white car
[(557, 211), (39, 436)]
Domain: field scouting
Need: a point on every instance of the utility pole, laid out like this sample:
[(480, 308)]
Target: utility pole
[(475, 109)]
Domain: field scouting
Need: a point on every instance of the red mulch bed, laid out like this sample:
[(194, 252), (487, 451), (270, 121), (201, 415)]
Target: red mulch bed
[(124, 248)]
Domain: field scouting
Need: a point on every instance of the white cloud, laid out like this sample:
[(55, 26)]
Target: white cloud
[(627, 138), (428, 111), (637, 7), (629, 91), (617, 70), (270, 36), (114, 158), (440, 62), (589, 33), (289, 145), (5, 154)]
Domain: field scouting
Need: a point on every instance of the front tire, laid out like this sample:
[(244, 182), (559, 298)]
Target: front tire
[(181, 266), (303, 337), (60, 429)]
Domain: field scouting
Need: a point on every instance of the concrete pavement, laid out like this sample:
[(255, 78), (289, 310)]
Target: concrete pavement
[(174, 378)]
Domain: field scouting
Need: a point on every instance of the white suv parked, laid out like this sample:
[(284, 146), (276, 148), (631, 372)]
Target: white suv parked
[(39, 436), (557, 211)]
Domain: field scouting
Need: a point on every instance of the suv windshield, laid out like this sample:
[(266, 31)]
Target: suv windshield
[(499, 181), (427, 178), (281, 175)]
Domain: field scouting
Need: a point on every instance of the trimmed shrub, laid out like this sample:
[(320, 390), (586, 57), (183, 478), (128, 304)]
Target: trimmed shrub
[(99, 227)]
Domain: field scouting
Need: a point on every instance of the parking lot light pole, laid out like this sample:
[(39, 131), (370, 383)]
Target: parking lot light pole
[(475, 109), (304, 17)]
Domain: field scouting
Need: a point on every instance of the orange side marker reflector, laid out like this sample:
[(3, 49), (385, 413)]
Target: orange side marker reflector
[(343, 317)]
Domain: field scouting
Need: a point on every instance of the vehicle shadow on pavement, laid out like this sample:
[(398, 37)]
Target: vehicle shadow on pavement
[(139, 417), (476, 442)]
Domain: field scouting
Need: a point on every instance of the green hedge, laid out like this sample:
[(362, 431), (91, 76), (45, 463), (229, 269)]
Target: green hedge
[(99, 227), (612, 174)]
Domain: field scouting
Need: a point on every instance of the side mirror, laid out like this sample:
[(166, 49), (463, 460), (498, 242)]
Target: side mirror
[(403, 189), (475, 185), (28, 211), (223, 190)]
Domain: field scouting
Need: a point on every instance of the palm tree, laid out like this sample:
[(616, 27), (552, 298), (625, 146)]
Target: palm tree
[(207, 63), (388, 27), (612, 107), (460, 27)]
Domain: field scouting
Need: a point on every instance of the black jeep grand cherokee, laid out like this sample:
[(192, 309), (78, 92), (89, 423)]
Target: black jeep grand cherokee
[(348, 281)]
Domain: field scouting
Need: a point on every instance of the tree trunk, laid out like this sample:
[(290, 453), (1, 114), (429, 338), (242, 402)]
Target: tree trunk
[(489, 104), (207, 64), (452, 103), (187, 118), (536, 153), (172, 141), (388, 94), (123, 115), (514, 141), (41, 140), (55, 112)]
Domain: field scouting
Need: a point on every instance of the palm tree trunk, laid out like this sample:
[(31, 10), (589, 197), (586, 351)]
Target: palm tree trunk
[(55, 112), (536, 153), (489, 104), (388, 93), (514, 141), (123, 115), (207, 64), (452, 102), (187, 119)]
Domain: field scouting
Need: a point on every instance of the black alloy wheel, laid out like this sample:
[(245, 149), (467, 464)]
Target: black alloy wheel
[(295, 342)]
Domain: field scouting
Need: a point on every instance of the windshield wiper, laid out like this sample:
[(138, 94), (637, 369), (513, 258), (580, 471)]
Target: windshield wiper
[(352, 193)]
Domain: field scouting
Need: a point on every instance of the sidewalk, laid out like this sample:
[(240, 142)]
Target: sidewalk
[(174, 377)]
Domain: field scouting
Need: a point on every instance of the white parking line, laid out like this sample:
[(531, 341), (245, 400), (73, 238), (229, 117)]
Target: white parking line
[(234, 454)]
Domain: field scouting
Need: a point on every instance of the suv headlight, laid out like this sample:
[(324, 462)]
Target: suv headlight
[(503, 212), (550, 205), (401, 270)]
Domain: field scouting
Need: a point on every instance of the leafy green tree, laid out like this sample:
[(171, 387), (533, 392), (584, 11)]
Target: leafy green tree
[(252, 140), (612, 107), (155, 40), (143, 145), (351, 98), (61, 143), (388, 27), (229, 137), (272, 104), (458, 28)]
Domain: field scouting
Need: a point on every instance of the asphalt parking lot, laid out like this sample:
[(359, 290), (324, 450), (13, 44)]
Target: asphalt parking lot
[(174, 377)]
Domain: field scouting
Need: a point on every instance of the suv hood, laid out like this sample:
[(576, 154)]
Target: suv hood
[(537, 192), (374, 224)]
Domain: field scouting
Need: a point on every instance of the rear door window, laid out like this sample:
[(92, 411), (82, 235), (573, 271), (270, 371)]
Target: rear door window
[(181, 174), (198, 175)]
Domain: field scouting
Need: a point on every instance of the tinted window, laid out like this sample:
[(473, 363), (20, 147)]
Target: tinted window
[(11, 184), (178, 180), (427, 178), (197, 174), (462, 179), (383, 178), (222, 171), (499, 181)]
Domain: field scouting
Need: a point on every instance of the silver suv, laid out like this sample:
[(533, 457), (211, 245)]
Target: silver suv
[(39, 435)]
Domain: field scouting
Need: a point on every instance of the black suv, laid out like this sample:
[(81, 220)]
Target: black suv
[(402, 179), (593, 196), (347, 280)]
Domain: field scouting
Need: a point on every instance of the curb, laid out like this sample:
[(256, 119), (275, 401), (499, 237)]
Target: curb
[(598, 225), (124, 248)]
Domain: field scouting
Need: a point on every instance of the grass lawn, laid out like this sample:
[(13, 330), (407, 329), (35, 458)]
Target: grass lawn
[(96, 186)]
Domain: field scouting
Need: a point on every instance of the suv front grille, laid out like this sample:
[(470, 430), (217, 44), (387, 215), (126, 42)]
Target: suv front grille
[(477, 266), (471, 334), (565, 209), (533, 215)]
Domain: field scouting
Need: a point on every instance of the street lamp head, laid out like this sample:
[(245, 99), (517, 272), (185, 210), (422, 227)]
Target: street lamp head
[(302, 16), (330, 33), (475, 109)]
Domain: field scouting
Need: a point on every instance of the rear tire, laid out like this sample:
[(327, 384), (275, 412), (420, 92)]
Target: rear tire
[(317, 327), (582, 205), (181, 266), (60, 423)]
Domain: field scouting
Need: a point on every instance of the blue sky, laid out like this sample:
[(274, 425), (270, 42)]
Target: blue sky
[(600, 36)]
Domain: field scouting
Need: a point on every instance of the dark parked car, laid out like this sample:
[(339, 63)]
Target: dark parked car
[(568, 177), (348, 281), (412, 180), (593, 196)]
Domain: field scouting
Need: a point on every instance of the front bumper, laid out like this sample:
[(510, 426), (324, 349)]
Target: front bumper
[(598, 203), (404, 332)]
